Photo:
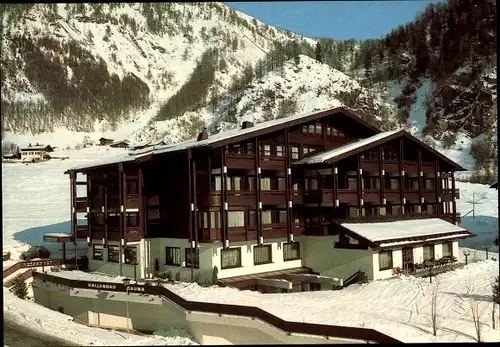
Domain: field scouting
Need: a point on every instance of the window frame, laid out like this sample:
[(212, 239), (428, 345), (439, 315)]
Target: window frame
[(126, 251), (224, 251), (433, 253), (391, 260), (196, 255), (269, 255), (94, 252), (242, 219), (289, 244), (450, 244), (112, 250), (172, 263)]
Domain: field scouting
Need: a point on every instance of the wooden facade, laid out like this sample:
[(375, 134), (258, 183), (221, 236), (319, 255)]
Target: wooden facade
[(248, 188)]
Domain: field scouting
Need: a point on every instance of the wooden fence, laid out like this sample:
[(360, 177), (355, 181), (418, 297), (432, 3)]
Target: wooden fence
[(42, 263), (327, 331)]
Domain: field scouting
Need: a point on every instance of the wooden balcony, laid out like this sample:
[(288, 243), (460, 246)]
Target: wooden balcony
[(153, 200), (297, 197), (370, 165), (240, 161), (82, 232), (81, 205), (348, 196), (411, 195), (410, 166), (391, 166), (273, 197), (213, 199), (428, 167), (209, 235), (298, 229), (132, 234), (272, 163), (114, 203), (153, 213), (241, 197), (392, 195), (114, 234), (429, 195), (98, 232), (446, 194), (96, 203), (313, 197), (132, 201), (371, 195)]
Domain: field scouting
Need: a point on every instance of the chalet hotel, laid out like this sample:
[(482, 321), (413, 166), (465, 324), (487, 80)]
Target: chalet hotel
[(323, 195)]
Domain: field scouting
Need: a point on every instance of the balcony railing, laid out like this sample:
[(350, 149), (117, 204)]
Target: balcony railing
[(81, 205), (132, 201), (82, 231)]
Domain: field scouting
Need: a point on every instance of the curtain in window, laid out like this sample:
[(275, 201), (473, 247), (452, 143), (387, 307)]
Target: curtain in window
[(230, 258), (429, 252), (281, 184), (282, 216), (236, 219), (352, 183), (173, 256), (385, 260), (229, 186), (291, 251), (252, 218), (195, 257), (447, 249), (262, 254), (267, 217), (265, 183), (394, 184), (237, 183), (214, 219), (217, 181)]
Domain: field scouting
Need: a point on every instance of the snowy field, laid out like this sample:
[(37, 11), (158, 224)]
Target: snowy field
[(59, 325), (399, 307)]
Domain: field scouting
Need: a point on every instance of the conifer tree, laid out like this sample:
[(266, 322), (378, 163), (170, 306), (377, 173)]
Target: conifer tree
[(318, 54), (19, 288)]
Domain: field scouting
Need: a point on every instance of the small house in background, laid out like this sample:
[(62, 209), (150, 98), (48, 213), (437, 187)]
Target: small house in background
[(104, 141), (12, 155), (119, 144), (147, 144), (494, 185), (36, 153)]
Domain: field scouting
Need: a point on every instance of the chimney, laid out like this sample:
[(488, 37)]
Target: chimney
[(203, 135), (37, 143), (246, 124), (29, 145)]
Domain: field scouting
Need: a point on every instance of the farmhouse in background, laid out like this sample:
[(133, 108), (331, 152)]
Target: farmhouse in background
[(104, 141), (12, 155), (306, 202), (36, 153), (147, 145), (119, 144)]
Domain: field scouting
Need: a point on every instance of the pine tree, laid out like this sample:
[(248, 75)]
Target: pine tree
[(496, 291), (318, 53), (19, 287)]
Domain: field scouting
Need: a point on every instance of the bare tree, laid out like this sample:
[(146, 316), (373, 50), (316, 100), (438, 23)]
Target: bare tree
[(434, 320), (474, 308)]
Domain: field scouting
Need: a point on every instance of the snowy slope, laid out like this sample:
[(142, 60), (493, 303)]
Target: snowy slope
[(399, 307), (59, 325)]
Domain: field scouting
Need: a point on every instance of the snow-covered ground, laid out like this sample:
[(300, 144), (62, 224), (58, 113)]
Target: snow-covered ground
[(399, 307), (59, 325)]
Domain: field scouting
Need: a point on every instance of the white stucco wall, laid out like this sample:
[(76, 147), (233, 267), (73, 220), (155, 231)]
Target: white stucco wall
[(455, 249), (149, 313), (418, 255), (112, 268), (320, 255)]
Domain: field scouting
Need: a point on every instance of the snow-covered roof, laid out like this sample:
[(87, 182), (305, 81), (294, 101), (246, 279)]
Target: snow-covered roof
[(404, 229), (58, 234), (122, 158), (229, 134), (321, 157), (34, 148)]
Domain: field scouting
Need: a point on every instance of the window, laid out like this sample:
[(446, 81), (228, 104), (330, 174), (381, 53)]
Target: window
[(353, 212), (236, 149), (295, 185), (262, 254), (280, 151), (267, 217), (281, 184), (113, 219), (216, 182), (394, 183), (265, 150), (237, 183), (230, 258), (214, 219), (385, 260), (173, 256), (282, 216), (265, 183), (295, 152), (428, 252), (431, 209), (192, 257), (291, 251), (311, 128), (319, 129), (98, 251), (113, 253), (236, 219), (251, 183), (130, 255), (249, 148), (304, 129), (447, 249), (228, 183), (132, 219), (429, 183), (352, 183), (98, 218), (395, 210), (132, 187), (252, 218), (371, 183)]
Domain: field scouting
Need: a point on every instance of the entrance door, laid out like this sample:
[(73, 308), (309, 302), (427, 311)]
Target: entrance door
[(408, 258)]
